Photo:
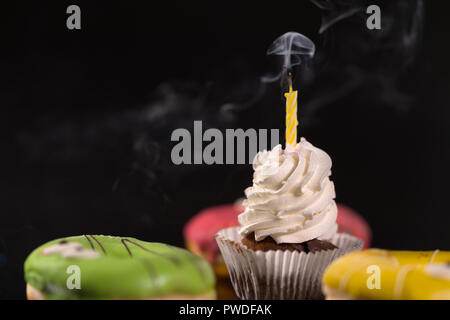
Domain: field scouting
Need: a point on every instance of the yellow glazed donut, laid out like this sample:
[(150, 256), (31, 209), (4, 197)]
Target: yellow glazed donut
[(389, 275)]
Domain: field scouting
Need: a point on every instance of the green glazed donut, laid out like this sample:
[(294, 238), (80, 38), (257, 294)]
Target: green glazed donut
[(107, 267)]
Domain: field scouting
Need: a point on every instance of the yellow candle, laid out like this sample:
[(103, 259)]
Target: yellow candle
[(291, 117)]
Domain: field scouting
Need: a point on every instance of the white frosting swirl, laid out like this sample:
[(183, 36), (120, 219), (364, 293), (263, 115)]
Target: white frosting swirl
[(292, 197)]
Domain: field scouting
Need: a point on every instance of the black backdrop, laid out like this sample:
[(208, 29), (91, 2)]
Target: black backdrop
[(86, 116)]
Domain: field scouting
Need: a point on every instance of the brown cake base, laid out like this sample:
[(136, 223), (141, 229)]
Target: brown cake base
[(270, 244)]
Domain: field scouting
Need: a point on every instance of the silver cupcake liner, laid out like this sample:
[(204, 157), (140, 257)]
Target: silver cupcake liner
[(288, 275)]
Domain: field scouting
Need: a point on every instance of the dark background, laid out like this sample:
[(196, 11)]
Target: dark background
[(86, 115)]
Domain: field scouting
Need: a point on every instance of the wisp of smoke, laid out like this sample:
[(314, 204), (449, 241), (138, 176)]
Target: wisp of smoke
[(292, 47), (367, 65), (335, 11)]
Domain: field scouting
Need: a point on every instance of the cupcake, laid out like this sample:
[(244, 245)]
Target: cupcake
[(200, 231), (96, 267), (288, 231)]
